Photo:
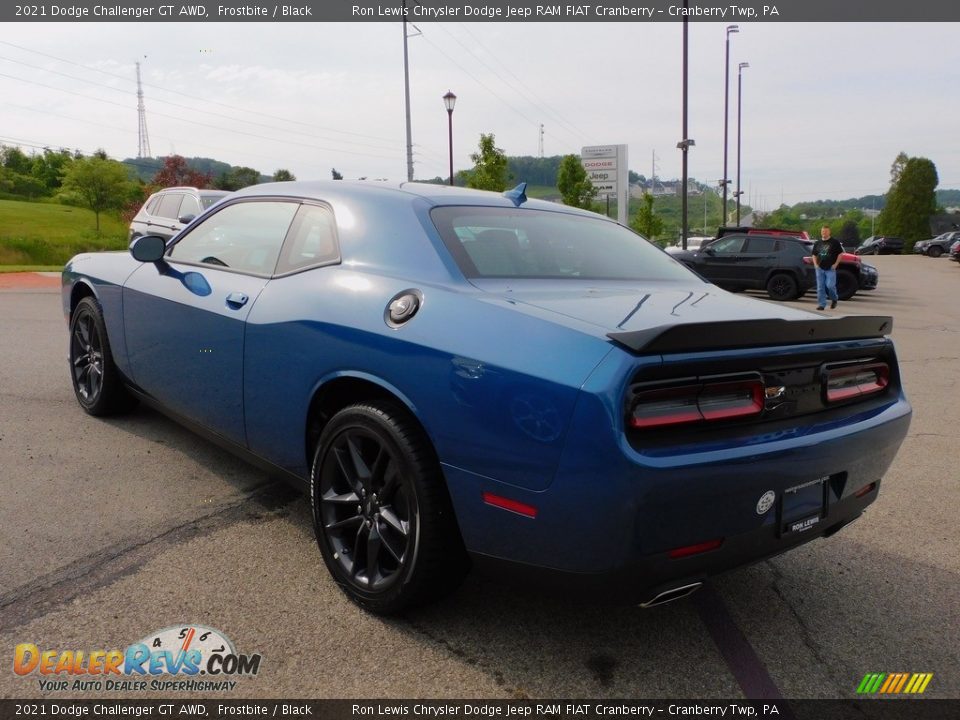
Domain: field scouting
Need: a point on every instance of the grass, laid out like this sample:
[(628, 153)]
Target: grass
[(30, 268), (43, 236)]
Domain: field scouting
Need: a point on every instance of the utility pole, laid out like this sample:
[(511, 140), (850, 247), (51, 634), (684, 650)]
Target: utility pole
[(406, 95), (541, 140)]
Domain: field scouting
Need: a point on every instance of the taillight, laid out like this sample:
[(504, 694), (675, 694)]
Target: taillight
[(705, 401), (853, 381)]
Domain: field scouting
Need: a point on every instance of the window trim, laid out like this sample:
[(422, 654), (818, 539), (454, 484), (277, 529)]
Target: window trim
[(210, 212)]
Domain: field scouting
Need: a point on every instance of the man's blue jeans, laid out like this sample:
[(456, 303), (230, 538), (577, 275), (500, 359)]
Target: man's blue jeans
[(826, 285)]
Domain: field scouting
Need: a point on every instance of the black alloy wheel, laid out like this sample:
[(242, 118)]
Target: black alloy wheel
[(934, 251), (381, 512), (96, 381), (782, 287)]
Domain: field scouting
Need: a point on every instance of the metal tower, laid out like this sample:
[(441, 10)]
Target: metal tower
[(541, 140), (143, 147)]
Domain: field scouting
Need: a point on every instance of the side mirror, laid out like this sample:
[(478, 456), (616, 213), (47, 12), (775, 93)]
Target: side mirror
[(184, 219), (710, 251), (148, 248)]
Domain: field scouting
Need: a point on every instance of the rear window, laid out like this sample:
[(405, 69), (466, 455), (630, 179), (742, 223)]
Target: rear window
[(522, 243)]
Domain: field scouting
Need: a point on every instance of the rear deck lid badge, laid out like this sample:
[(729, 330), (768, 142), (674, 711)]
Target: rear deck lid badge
[(766, 502)]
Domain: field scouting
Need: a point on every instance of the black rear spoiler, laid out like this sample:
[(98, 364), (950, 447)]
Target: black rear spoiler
[(730, 334)]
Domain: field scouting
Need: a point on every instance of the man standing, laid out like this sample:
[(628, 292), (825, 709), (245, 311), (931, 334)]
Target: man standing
[(826, 251)]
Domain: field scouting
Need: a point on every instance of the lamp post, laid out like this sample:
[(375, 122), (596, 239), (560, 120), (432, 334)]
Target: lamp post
[(726, 115), (739, 192), (449, 100), (685, 144)]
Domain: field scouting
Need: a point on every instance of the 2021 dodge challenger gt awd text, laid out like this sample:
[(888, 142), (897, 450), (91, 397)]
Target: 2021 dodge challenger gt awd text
[(465, 378)]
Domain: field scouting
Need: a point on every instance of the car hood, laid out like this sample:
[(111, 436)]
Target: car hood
[(624, 307)]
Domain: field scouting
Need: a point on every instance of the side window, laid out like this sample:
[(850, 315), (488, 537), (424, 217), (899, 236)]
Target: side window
[(245, 236), (170, 206), (152, 204), (189, 206), (728, 245), (758, 245), (312, 239)]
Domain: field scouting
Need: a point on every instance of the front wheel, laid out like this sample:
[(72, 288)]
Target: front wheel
[(934, 251), (96, 380), (782, 287), (381, 512), (847, 284)]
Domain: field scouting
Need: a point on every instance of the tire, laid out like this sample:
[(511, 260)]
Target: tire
[(96, 380), (782, 287), (847, 284), (381, 512), (935, 251)]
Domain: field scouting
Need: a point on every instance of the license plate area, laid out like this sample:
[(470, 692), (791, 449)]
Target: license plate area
[(802, 507)]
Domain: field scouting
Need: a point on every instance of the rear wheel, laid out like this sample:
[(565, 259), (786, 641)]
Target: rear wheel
[(934, 251), (847, 284), (96, 380), (782, 287), (382, 516)]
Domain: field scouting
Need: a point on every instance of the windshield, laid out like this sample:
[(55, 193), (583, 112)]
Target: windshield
[(523, 243)]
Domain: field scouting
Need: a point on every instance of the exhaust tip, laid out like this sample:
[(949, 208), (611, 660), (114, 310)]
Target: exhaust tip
[(672, 594)]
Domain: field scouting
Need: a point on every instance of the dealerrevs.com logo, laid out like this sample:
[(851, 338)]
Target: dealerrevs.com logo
[(189, 658)]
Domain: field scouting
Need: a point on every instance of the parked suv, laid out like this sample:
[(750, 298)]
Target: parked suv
[(852, 273), (167, 212), (881, 245), (780, 265), (938, 245)]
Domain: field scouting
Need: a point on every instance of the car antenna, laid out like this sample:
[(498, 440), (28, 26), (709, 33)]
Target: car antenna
[(518, 196)]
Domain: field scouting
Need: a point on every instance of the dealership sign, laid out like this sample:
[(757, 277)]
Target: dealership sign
[(606, 166)]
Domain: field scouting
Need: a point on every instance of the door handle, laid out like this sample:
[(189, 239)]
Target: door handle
[(237, 299)]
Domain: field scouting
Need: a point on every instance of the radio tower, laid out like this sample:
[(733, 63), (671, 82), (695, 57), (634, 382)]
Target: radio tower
[(541, 140), (143, 147)]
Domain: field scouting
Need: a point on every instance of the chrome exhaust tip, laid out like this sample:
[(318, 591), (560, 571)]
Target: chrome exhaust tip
[(671, 595)]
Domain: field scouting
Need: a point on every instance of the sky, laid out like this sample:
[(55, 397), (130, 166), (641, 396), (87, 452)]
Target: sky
[(826, 107)]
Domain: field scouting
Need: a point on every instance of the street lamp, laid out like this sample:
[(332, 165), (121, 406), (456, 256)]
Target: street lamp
[(449, 100), (726, 114), (739, 192)]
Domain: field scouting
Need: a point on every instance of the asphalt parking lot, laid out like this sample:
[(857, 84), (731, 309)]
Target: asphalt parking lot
[(111, 530)]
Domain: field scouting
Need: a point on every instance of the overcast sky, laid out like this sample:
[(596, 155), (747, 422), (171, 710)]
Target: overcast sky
[(826, 107)]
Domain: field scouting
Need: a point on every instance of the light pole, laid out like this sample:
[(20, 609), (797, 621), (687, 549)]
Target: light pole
[(739, 192), (726, 115), (449, 100), (685, 144)]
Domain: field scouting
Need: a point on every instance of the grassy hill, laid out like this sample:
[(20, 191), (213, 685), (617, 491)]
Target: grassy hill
[(38, 233)]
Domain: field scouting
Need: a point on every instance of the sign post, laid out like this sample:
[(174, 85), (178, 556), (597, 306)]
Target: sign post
[(606, 166)]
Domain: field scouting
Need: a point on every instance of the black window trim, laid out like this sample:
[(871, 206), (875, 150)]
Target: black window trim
[(210, 212)]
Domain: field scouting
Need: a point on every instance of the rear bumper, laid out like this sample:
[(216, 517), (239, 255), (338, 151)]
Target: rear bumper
[(607, 523)]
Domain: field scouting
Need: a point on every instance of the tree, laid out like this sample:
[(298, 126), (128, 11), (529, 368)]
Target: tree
[(574, 185), (176, 171), (490, 166), (283, 176), (13, 158), (646, 222), (849, 232), (336, 175), (49, 168), (101, 184), (238, 177), (896, 169), (910, 202)]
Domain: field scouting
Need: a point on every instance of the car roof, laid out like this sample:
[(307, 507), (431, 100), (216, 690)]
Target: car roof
[(434, 194)]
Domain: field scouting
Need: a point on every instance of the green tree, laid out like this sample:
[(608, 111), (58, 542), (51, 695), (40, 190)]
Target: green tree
[(13, 158), (646, 221), (910, 202), (490, 166), (101, 184), (574, 185), (283, 175), (238, 177), (49, 167), (896, 169), (336, 175)]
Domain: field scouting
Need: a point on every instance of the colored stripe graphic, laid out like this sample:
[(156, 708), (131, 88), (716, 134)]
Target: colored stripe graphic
[(894, 683)]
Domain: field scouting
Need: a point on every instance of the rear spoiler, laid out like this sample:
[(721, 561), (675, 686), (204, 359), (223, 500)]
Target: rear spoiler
[(731, 334)]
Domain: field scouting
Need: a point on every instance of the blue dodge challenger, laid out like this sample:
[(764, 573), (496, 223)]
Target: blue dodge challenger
[(462, 378)]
